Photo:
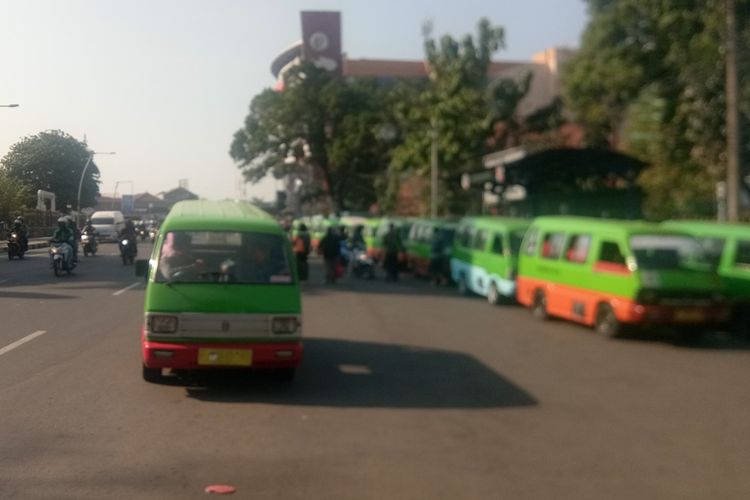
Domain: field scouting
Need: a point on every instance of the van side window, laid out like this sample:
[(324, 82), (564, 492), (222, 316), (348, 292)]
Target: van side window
[(610, 252), (531, 238), (464, 238), (552, 245), (480, 240), (742, 258), (497, 244), (578, 248)]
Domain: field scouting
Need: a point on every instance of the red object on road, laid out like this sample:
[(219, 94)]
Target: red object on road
[(220, 489)]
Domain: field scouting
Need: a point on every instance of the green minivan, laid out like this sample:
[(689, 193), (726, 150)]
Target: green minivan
[(419, 243), (610, 274), (485, 254), (728, 247), (221, 291)]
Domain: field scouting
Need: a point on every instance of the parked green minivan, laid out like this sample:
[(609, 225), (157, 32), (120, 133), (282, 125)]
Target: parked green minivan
[(221, 291), (485, 254), (728, 247), (419, 243), (613, 273)]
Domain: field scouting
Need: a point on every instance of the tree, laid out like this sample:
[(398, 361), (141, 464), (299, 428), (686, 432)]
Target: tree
[(12, 197), (468, 113), (319, 121), (52, 161), (649, 78)]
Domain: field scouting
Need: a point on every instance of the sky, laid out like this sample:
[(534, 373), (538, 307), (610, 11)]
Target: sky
[(166, 83)]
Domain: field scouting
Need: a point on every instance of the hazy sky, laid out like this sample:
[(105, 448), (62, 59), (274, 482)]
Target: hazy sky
[(165, 83)]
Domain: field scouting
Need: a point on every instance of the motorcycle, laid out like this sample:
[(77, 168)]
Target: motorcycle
[(142, 233), (61, 258), (363, 266), (152, 232), (89, 244), (15, 247), (128, 251)]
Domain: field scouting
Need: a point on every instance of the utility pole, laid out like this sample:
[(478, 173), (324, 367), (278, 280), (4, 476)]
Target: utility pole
[(434, 171), (732, 118)]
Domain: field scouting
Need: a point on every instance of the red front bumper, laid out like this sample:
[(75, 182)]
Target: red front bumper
[(678, 315), (185, 356)]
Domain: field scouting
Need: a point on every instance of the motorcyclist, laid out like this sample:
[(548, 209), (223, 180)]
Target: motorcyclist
[(22, 231), (91, 231), (76, 236), (129, 233)]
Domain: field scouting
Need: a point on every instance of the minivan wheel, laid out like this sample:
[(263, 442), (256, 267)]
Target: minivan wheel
[(539, 306), (463, 286), (607, 323), (152, 375), (493, 296)]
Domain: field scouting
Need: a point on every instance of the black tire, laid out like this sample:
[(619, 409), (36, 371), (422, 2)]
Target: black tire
[(10, 253), (85, 253), (56, 268), (20, 256), (286, 374), (493, 295), (463, 286), (152, 375), (124, 260), (539, 306), (606, 323)]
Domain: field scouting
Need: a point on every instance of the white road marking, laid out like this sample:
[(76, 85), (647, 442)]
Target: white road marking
[(129, 287), (20, 342), (3, 281), (355, 369)]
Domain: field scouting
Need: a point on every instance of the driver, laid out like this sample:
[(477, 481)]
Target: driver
[(177, 260)]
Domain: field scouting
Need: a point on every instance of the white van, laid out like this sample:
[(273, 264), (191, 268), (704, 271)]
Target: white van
[(108, 224)]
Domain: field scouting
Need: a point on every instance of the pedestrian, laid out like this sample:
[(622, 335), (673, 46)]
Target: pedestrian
[(437, 254), (393, 248), (301, 247), (330, 248)]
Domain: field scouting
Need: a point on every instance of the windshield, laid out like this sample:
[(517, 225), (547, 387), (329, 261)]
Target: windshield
[(668, 252), (103, 221), (223, 256)]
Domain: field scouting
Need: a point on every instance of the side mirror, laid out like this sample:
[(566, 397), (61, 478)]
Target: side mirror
[(141, 268)]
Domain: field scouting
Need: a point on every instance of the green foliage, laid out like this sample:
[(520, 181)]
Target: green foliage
[(321, 122), (12, 197), (52, 161), (463, 108), (649, 77)]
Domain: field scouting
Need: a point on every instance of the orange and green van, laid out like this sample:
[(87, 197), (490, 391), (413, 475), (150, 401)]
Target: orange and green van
[(612, 274), (419, 242), (221, 291), (728, 247), (484, 259)]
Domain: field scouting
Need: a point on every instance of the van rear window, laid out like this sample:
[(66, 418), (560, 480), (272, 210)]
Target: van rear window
[(223, 257), (103, 221)]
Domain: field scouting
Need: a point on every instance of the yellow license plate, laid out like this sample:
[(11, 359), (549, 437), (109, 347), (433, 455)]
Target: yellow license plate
[(689, 316), (225, 357)]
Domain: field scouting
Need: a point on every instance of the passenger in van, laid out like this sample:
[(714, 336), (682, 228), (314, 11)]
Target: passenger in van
[(256, 263), (177, 260)]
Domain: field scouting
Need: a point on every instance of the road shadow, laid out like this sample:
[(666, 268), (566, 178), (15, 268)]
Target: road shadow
[(33, 295), (342, 373), (690, 339)]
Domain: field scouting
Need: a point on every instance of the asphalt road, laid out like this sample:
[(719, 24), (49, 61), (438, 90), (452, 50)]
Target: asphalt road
[(405, 392)]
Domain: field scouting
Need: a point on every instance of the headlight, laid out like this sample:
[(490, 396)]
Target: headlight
[(124, 242), (13, 235), (162, 324), (285, 325)]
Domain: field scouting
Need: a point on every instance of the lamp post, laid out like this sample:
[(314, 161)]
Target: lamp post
[(80, 182), (114, 195)]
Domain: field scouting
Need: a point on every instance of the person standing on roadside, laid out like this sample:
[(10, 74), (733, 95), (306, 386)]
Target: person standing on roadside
[(301, 247), (393, 247), (330, 248)]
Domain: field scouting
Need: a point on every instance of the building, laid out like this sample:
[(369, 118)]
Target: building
[(145, 205), (321, 43)]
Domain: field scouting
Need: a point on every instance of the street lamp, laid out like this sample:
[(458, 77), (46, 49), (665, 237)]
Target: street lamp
[(80, 183), (114, 195), (8, 105)]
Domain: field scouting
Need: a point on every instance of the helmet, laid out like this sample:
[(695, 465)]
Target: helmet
[(62, 221)]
